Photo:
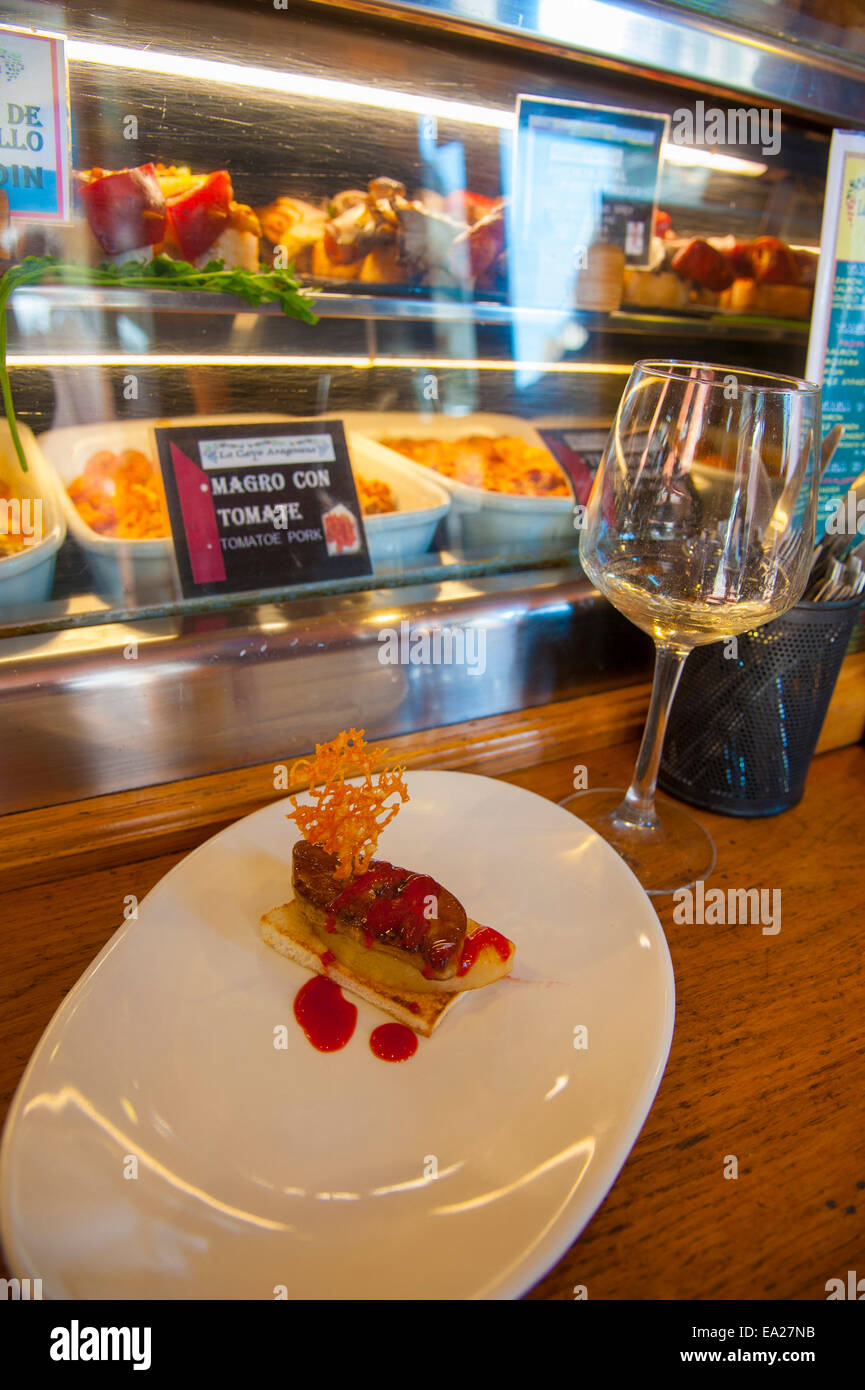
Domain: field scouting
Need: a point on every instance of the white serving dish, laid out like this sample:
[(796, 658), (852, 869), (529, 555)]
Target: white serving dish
[(144, 570), (478, 518), (138, 571), (27, 577), (421, 501), (267, 1168)]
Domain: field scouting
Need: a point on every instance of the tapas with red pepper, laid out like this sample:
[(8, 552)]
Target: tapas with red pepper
[(396, 937)]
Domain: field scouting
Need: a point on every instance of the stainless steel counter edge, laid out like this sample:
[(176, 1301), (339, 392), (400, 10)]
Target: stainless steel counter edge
[(655, 39), (100, 709)]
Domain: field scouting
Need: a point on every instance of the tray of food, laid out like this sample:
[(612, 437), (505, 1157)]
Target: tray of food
[(112, 496), (114, 502), (372, 239), (32, 523), (378, 239), (764, 277), (507, 490)]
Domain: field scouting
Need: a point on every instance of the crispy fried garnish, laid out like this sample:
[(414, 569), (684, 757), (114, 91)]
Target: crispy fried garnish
[(346, 820)]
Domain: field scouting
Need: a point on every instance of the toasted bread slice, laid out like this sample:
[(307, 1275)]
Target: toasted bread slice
[(287, 931)]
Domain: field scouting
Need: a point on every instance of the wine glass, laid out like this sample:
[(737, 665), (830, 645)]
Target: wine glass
[(700, 525)]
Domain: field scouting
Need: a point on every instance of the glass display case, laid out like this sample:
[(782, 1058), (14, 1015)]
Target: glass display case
[(373, 154)]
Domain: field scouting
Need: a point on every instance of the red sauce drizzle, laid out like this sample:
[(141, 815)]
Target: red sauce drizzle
[(474, 944), (328, 958), (393, 1042), (415, 1008), (329, 924), (381, 875), (404, 913), (326, 1017)]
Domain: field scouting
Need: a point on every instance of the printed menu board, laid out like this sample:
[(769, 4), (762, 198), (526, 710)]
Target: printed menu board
[(261, 506), (34, 125), (582, 174), (836, 349)]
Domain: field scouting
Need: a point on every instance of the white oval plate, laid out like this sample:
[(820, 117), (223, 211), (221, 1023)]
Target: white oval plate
[(465, 1172)]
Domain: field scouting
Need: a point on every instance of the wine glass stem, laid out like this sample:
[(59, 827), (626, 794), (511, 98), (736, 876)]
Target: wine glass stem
[(638, 806)]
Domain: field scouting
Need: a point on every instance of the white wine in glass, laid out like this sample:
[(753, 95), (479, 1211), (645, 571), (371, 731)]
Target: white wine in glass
[(700, 525)]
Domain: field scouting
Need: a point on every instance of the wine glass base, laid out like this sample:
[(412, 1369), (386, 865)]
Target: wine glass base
[(673, 853)]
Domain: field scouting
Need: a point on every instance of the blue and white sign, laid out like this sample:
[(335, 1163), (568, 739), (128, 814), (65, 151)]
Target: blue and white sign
[(35, 159), (582, 173), (836, 348)]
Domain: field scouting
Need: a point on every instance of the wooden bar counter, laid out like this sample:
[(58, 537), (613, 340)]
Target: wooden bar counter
[(768, 1055)]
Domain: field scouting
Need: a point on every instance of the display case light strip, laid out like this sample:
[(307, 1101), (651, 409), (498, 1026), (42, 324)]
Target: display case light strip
[(691, 156), (331, 89), (183, 359), (291, 83)]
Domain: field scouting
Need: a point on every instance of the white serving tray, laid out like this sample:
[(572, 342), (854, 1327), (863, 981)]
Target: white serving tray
[(140, 571), (421, 501), (27, 577), (479, 518)]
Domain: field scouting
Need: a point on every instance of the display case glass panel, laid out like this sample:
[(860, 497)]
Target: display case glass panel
[(376, 161)]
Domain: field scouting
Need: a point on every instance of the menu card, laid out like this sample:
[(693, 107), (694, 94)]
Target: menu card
[(35, 161), (261, 506)]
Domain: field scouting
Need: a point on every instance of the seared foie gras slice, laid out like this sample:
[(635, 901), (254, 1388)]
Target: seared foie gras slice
[(407, 915)]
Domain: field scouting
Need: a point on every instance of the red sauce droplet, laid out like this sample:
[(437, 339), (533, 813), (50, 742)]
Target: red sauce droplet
[(326, 1017), (393, 1042), (474, 944), (415, 1008), (328, 958), (329, 924)]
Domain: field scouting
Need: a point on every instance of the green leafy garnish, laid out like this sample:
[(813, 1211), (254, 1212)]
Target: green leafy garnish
[(256, 287)]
